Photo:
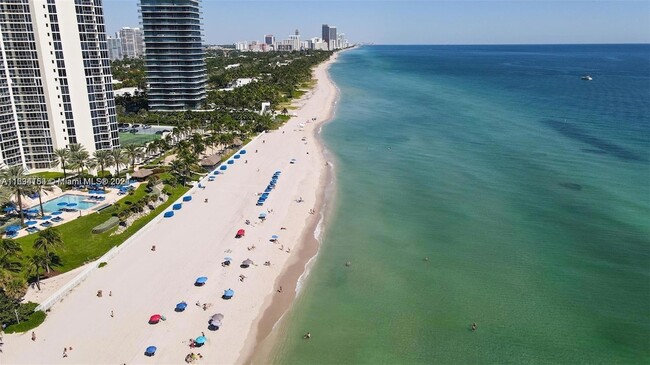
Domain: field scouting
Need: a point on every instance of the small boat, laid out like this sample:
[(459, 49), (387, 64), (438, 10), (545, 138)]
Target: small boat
[(586, 78)]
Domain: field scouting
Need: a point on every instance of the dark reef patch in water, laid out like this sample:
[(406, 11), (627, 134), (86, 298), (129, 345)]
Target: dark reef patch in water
[(571, 186), (571, 131)]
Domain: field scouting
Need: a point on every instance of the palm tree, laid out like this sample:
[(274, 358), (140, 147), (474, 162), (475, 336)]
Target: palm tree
[(197, 145), (9, 252), (63, 155), (36, 263), (14, 178), (132, 152), (118, 159), (180, 169), (39, 189), (79, 157), (48, 241), (103, 158)]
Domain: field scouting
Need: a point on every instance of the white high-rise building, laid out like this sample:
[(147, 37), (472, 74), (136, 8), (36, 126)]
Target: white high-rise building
[(132, 42), (55, 80), (114, 48)]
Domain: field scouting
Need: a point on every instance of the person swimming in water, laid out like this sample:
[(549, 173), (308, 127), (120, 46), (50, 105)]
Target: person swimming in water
[(474, 326)]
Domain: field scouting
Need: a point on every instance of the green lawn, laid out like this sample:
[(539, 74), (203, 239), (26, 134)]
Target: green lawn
[(137, 138), (81, 246), (48, 174)]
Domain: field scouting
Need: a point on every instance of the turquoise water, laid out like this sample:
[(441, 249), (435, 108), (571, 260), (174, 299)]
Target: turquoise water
[(525, 187), (52, 205)]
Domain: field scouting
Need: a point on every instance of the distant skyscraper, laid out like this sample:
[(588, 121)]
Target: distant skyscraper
[(114, 48), (329, 36), (269, 39), (132, 42), (55, 80), (175, 58)]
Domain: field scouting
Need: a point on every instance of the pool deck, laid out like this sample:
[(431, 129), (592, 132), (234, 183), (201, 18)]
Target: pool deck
[(111, 198)]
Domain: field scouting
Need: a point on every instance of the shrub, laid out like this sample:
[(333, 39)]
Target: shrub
[(102, 264), (32, 322), (110, 223)]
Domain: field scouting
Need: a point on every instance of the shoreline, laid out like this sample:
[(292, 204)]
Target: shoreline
[(191, 245), (262, 337)]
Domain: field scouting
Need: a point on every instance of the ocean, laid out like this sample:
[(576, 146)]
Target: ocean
[(485, 184)]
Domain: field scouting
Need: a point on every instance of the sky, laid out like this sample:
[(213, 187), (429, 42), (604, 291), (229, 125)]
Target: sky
[(417, 22)]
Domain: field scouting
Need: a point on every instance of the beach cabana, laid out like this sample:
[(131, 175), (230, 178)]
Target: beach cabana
[(240, 233), (227, 294), (210, 161), (180, 307), (177, 206), (142, 174), (168, 214), (187, 198), (200, 341), (155, 319), (200, 281), (150, 351), (246, 263)]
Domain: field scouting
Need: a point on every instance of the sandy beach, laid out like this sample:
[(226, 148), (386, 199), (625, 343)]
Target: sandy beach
[(139, 282)]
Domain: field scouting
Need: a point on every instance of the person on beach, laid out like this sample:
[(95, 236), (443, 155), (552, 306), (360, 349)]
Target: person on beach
[(110, 293), (65, 352), (153, 248), (112, 315), (307, 336), (474, 326), (280, 290), (33, 336)]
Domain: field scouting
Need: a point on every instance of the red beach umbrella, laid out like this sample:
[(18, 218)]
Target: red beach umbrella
[(155, 318)]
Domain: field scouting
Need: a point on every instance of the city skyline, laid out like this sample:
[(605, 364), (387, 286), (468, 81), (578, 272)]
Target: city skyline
[(436, 22)]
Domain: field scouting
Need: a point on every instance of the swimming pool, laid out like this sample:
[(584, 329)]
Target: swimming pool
[(53, 205)]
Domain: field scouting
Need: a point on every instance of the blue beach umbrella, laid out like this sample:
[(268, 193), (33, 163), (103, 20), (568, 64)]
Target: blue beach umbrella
[(223, 167), (230, 162), (62, 204), (181, 306), (236, 157), (13, 228), (187, 198), (262, 215), (31, 223), (227, 294), (46, 217), (9, 209), (274, 237), (215, 173), (168, 214), (150, 351), (58, 212), (200, 340), (32, 211), (201, 280), (243, 152), (278, 172), (177, 206), (227, 258)]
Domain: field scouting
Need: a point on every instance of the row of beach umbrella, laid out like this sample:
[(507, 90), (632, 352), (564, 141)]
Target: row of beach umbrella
[(215, 320)]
